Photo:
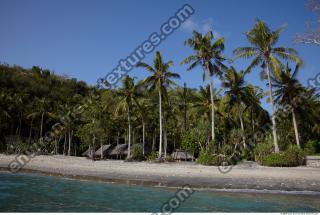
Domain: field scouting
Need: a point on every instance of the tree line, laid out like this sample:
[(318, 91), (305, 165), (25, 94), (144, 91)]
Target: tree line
[(157, 113)]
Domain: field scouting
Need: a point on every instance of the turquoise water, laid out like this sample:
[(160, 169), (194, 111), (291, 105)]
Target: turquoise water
[(38, 193)]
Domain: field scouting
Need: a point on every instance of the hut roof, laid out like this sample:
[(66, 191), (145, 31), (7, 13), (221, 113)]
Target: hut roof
[(181, 155), (120, 149), (104, 150), (87, 153)]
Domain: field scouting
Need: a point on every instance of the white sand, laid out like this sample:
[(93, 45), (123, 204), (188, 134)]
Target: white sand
[(247, 175)]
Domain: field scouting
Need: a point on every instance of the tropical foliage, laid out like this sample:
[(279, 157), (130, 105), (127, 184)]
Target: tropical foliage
[(155, 116)]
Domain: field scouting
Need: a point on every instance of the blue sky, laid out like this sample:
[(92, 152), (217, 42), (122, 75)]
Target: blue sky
[(85, 39)]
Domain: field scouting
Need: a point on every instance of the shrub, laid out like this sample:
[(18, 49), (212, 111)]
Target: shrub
[(209, 159), (152, 156), (206, 158), (293, 156), (247, 154), (312, 147), (262, 150), (137, 153)]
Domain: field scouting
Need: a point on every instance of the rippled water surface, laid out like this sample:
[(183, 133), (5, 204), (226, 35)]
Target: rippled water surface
[(38, 193)]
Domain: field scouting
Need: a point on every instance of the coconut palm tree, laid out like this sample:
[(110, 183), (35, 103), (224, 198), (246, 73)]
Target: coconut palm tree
[(237, 91), (127, 95), (266, 55), (208, 55), (160, 79), (42, 112), (288, 91)]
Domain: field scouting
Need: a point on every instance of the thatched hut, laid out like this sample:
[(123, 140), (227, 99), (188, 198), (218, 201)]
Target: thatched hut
[(120, 151), (179, 154), (102, 151), (88, 153)]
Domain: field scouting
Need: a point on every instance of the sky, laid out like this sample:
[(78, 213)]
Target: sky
[(85, 39)]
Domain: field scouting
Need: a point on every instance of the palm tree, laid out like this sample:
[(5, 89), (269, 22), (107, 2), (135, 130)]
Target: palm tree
[(42, 112), (288, 91), (209, 56), (159, 79), (237, 91), (128, 95), (267, 56), (143, 107)]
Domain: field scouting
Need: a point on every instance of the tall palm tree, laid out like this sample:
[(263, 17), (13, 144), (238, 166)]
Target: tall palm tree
[(288, 91), (160, 79), (237, 91), (208, 54), (263, 41), (128, 94), (42, 112)]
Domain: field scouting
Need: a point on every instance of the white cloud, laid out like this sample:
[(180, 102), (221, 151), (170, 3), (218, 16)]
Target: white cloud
[(203, 26)]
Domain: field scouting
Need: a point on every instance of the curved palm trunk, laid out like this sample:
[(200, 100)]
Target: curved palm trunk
[(212, 105), (274, 128), (41, 126), (160, 122), (129, 135), (295, 125), (242, 127), (30, 131)]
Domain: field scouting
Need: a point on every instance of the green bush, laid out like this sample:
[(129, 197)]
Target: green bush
[(262, 150), (206, 158), (312, 147), (293, 156), (137, 153), (152, 156), (247, 154), (209, 159)]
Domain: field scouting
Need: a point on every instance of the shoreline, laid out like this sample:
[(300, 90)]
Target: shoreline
[(247, 177)]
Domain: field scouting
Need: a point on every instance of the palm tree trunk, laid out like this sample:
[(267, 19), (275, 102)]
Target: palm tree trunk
[(160, 122), (41, 126), (101, 155), (64, 144), (118, 137), (143, 136), (69, 147), (153, 140), (212, 106), (296, 132), (274, 127), (20, 122), (30, 131), (165, 140), (129, 136), (242, 127), (93, 147)]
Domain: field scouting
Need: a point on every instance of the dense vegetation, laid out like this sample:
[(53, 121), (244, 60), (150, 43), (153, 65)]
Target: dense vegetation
[(216, 124)]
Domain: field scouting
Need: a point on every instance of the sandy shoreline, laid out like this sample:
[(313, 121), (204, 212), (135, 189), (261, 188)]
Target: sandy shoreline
[(246, 176)]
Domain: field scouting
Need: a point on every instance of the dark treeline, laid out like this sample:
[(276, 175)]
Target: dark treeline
[(156, 113)]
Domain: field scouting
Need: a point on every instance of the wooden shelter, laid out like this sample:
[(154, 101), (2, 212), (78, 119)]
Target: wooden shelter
[(102, 150), (179, 154)]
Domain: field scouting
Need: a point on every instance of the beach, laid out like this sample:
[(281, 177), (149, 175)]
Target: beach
[(246, 176)]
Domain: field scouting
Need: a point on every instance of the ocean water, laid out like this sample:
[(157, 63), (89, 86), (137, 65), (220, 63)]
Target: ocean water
[(24, 192)]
